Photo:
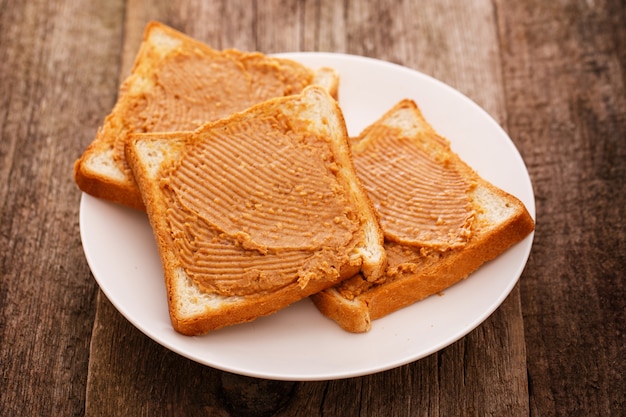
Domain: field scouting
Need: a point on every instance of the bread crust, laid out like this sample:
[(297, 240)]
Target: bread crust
[(124, 193), (453, 266), (246, 310)]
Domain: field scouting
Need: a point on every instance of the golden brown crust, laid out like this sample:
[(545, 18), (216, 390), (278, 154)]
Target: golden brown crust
[(351, 315), (103, 187), (246, 310), (453, 266)]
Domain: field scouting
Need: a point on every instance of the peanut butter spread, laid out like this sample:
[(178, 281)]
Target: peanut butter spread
[(401, 260), (423, 200), (256, 205), (187, 88)]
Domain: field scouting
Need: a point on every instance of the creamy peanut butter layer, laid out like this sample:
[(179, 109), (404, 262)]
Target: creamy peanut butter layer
[(190, 87), (256, 188), (422, 200)]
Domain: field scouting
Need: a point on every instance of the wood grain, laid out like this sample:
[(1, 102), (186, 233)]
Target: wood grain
[(56, 87), (551, 73), (567, 104)]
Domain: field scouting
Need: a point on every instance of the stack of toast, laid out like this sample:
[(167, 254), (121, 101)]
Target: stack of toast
[(258, 198)]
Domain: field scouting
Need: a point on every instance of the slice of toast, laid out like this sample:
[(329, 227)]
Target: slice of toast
[(256, 211), (440, 219), (176, 84)]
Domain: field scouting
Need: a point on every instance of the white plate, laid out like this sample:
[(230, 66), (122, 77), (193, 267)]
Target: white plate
[(298, 343)]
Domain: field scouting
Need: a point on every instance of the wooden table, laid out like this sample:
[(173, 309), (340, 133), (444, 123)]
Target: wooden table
[(552, 73)]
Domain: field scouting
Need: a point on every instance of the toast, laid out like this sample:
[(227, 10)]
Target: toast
[(176, 84), (440, 219), (256, 211)]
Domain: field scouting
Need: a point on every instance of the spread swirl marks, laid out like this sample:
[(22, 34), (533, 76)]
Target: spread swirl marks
[(422, 200), (262, 180), (252, 188), (219, 266), (187, 89)]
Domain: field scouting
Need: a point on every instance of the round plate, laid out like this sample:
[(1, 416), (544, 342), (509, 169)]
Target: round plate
[(298, 343)]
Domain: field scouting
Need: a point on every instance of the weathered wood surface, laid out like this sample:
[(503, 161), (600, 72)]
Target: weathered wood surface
[(552, 73), (564, 70)]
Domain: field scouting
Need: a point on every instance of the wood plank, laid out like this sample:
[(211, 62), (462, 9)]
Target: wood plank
[(55, 77), (129, 374), (564, 65), (455, 381), (550, 72)]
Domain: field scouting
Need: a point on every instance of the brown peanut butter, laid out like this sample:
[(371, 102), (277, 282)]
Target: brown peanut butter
[(256, 205), (189, 88), (423, 201)]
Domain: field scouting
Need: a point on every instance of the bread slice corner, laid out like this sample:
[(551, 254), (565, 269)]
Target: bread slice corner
[(414, 272)]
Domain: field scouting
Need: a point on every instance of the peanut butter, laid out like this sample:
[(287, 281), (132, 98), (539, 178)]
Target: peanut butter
[(422, 200), (190, 87), (256, 205)]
